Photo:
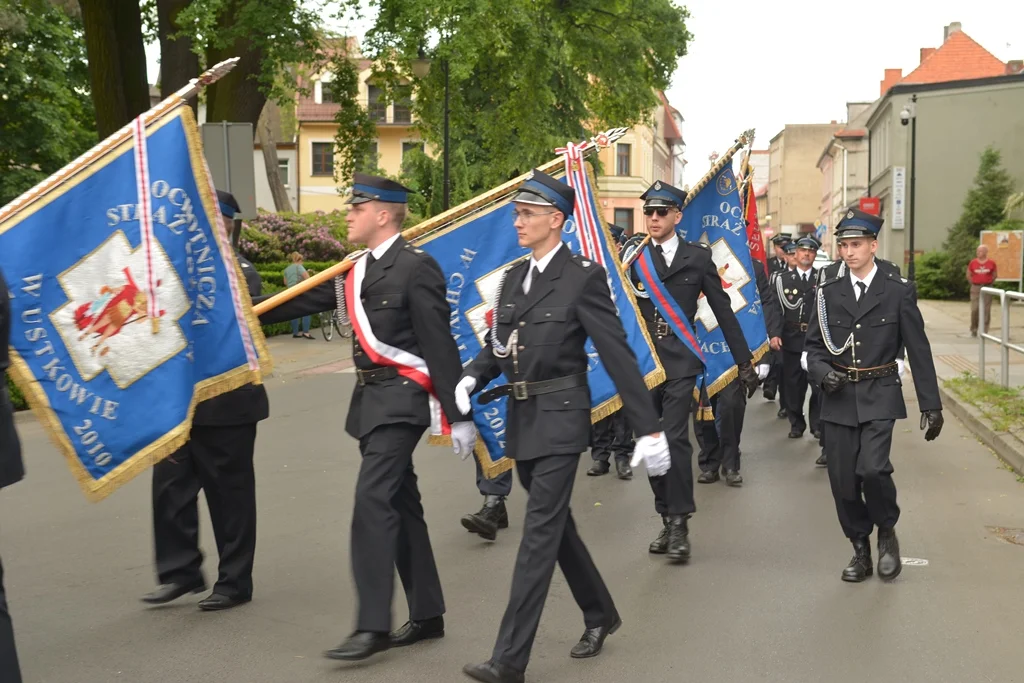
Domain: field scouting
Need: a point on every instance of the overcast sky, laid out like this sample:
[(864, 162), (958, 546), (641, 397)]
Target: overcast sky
[(765, 63)]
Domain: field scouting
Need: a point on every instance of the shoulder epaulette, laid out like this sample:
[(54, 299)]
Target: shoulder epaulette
[(581, 261), (896, 277), (414, 249), (698, 244)]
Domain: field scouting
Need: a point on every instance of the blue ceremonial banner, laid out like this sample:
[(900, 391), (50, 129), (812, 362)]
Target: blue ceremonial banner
[(715, 216), (127, 304), (474, 251)]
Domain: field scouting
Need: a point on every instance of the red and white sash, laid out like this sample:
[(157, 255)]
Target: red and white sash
[(409, 365)]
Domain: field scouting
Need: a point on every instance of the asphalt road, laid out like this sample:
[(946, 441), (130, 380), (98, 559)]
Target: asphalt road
[(761, 599)]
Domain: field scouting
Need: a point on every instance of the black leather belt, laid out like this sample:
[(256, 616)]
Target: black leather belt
[(375, 376), (521, 391), (660, 328), (796, 327), (858, 374)]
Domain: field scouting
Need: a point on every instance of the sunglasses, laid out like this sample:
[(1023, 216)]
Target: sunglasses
[(661, 211)]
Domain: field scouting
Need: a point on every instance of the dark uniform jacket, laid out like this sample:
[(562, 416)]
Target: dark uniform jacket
[(404, 298), (776, 265), (886, 320), (799, 293), (247, 404), (769, 304), (692, 272), (567, 303), (12, 469)]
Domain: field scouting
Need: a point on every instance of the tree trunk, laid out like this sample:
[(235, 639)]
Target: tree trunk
[(263, 133), (104, 65), (178, 64), (132, 53), (236, 97)]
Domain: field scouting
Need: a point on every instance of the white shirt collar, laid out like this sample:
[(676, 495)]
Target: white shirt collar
[(866, 279), (804, 274), (545, 260), (382, 248), (669, 246)]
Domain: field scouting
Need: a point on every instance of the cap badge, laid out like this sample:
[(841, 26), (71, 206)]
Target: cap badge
[(849, 214), (657, 185)]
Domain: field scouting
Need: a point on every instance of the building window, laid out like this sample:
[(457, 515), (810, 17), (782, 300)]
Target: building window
[(409, 146), (624, 219), (622, 166), (282, 170), (323, 158), (378, 110), (367, 162), (403, 104), (326, 93)]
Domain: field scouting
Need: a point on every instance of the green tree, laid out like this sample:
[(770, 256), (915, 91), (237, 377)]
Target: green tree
[(524, 77), (983, 208), (46, 114), (356, 129)]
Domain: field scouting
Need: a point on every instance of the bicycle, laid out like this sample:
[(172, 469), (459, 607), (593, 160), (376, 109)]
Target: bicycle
[(329, 322)]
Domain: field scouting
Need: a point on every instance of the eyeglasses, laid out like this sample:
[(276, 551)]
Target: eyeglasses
[(527, 215), (661, 211)]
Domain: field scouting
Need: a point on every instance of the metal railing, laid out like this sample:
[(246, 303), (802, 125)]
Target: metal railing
[(1004, 341)]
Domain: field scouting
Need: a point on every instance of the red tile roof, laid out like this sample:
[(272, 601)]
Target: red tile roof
[(851, 133), (960, 58)]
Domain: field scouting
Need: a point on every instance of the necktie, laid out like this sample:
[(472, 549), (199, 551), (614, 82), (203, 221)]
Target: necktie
[(660, 263), (861, 291), (370, 259), (532, 280)]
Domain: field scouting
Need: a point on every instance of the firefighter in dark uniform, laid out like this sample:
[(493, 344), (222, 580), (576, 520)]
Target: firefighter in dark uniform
[(685, 270), (218, 459), (859, 325), (830, 272), (545, 309), (795, 291), (773, 382), (720, 438), (12, 470), (403, 295)]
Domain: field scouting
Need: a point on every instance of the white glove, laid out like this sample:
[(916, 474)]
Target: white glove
[(463, 438), (803, 361), (900, 367), (462, 389), (763, 370), (653, 452)]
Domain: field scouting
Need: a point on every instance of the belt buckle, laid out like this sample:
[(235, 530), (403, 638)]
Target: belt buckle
[(519, 391), (853, 374), (803, 327), (662, 328)]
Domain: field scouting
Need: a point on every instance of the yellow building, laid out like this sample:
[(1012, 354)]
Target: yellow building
[(645, 154), (317, 190)]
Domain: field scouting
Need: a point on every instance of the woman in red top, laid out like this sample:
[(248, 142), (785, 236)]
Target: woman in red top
[(981, 272)]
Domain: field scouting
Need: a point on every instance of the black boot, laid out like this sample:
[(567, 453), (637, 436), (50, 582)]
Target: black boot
[(889, 563), (860, 566), (622, 469), (492, 516), (659, 546), (678, 539)]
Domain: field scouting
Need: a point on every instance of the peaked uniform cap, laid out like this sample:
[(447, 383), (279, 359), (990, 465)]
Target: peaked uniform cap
[(857, 223), (540, 189), (369, 188), (661, 194)]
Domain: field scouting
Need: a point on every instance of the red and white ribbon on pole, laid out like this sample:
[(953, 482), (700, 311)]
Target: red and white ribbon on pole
[(142, 184)]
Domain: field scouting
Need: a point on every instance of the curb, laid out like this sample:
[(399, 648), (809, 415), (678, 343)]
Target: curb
[(1008, 452)]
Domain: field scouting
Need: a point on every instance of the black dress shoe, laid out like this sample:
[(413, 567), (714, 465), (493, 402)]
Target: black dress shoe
[(415, 631), (622, 469), (659, 546), (860, 566), (708, 477), (769, 394), (360, 645), (493, 672), (781, 414), (822, 460), (889, 562), (593, 639), (678, 539), (491, 517), (794, 434), (816, 433), (598, 469), (733, 478), (218, 601), (172, 591)]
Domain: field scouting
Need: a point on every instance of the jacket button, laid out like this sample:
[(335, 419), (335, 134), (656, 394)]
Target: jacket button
[(522, 348), (858, 343), (547, 315), (384, 303), (858, 326), (522, 323), (883, 320)]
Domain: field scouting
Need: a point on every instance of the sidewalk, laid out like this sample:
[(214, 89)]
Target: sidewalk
[(303, 357), (956, 352)]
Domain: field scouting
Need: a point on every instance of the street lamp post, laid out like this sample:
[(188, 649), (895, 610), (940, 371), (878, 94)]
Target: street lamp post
[(909, 116)]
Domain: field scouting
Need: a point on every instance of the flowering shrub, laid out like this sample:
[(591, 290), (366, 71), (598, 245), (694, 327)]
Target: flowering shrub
[(317, 236)]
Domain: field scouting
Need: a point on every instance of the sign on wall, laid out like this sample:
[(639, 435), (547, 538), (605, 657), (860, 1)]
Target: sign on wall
[(899, 197)]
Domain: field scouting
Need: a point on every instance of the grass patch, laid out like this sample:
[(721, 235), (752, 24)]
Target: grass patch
[(1004, 407)]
